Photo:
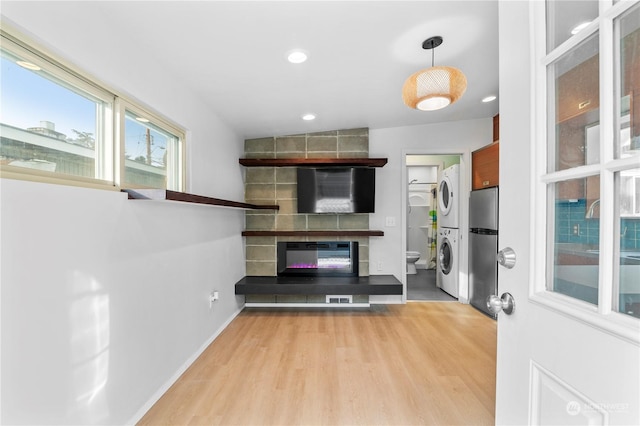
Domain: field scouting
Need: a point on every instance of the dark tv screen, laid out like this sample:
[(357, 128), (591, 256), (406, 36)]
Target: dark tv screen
[(336, 190)]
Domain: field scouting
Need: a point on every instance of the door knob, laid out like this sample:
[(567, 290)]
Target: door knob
[(507, 257), (506, 303)]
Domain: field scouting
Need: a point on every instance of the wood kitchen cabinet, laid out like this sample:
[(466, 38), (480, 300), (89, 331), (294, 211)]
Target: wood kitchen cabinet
[(578, 90), (576, 109), (485, 164)]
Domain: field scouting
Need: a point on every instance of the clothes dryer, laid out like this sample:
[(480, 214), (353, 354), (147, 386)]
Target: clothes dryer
[(447, 270), (449, 197)]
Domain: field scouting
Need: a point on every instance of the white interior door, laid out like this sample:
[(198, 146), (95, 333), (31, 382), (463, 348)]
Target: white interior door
[(560, 360)]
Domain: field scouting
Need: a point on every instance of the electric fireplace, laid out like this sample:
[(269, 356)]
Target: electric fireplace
[(323, 258)]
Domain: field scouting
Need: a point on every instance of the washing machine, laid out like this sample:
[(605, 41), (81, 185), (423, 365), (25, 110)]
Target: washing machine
[(449, 197), (448, 260)]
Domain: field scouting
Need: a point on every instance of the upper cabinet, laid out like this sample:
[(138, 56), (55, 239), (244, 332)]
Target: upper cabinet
[(578, 90), (485, 162), (496, 128)]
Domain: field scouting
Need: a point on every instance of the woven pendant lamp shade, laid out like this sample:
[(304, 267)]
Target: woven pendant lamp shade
[(434, 88)]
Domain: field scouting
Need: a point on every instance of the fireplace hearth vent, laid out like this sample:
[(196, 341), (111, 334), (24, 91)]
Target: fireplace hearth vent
[(341, 299)]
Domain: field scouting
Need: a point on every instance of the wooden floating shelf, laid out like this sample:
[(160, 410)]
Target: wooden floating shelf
[(167, 195), (369, 233), (312, 162)]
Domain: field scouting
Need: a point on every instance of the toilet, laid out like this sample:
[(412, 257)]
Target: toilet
[(412, 258)]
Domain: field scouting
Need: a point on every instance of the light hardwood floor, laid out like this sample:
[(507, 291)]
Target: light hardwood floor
[(429, 363)]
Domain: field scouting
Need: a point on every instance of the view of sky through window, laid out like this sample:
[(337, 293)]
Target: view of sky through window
[(27, 99)]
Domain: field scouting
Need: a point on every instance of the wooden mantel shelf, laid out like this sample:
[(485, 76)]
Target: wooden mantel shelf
[(167, 195), (341, 233), (312, 162)]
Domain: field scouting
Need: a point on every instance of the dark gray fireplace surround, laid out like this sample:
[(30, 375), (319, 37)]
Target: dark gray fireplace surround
[(318, 268)]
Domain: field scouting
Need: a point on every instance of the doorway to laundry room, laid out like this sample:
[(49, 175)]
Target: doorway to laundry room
[(426, 202)]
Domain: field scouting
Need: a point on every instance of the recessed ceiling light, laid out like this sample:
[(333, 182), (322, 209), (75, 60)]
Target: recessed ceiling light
[(142, 119), (489, 99), (28, 65), (580, 27), (297, 56), (308, 117)]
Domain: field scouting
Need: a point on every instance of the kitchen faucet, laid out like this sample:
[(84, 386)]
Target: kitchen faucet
[(593, 205)]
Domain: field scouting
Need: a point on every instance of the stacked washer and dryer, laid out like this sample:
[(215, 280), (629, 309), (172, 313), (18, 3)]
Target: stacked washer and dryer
[(448, 237)]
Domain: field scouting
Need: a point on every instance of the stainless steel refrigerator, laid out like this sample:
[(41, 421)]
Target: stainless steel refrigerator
[(483, 247)]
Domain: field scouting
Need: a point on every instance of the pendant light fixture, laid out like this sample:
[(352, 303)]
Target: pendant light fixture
[(436, 87)]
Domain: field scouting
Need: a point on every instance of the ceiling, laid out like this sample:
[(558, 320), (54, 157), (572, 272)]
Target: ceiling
[(232, 54)]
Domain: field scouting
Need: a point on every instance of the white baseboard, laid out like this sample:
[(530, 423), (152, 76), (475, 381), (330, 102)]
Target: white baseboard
[(308, 305), (165, 387)]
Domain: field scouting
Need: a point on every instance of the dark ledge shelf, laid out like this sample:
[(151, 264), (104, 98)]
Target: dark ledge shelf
[(312, 162), (371, 285), (167, 195), (342, 233)]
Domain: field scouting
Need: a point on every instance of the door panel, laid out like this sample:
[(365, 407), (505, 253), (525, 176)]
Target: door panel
[(554, 401), (559, 359)]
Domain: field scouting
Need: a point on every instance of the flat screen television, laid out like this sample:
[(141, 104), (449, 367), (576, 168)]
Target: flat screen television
[(336, 190)]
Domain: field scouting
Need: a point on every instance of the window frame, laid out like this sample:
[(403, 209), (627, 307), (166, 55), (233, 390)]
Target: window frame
[(109, 153), (175, 180), (600, 316)]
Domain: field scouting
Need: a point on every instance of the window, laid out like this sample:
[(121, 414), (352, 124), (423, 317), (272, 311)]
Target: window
[(57, 125), (52, 121), (152, 154), (592, 177)]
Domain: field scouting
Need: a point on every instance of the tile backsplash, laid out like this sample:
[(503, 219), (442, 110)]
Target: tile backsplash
[(573, 227)]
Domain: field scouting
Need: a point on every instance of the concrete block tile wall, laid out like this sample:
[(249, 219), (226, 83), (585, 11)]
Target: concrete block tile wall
[(261, 175), (260, 148), (353, 221), (318, 222), (259, 222), (291, 144), (277, 185), (323, 144), (291, 222), (286, 175), (288, 207)]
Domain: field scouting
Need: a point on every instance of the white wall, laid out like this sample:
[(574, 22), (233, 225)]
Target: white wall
[(105, 300), (460, 137)]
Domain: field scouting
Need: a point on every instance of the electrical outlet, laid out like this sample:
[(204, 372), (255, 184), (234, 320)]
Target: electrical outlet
[(379, 266), (576, 229), (213, 297), (390, 221)]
